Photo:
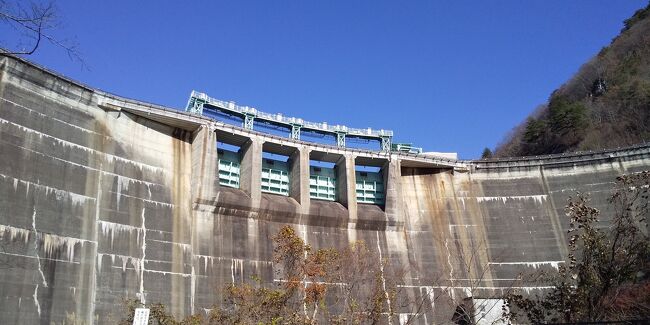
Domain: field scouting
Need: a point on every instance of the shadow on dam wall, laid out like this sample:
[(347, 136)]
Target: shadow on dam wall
[(99, 203)]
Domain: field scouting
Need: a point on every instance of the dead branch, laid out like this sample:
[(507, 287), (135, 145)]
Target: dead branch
[(35, 23)]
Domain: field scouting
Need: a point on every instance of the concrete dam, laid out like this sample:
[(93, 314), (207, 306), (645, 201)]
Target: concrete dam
[(104, 198)]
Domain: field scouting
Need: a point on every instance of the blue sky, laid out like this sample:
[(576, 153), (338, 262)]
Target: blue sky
[(452, 76)]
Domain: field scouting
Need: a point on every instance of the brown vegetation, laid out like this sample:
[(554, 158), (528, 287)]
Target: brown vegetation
[(337, 286), (606, 277), (605, 105)]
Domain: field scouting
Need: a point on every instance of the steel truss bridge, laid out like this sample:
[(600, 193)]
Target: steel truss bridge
[(200, 102)]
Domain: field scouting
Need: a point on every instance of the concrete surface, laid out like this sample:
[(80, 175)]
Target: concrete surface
[(104, 198)]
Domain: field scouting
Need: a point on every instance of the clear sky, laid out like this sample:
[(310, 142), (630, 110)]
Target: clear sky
[(450, 76)]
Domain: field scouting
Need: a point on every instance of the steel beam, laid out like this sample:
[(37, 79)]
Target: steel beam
[(295, 131), (385, 143), (195, 105), (248, 121), (340, 139)]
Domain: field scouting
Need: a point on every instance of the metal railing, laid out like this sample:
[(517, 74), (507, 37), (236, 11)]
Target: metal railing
[(279, 118)]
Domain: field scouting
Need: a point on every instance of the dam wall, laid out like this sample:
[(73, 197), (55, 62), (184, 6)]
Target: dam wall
[(104, 198)]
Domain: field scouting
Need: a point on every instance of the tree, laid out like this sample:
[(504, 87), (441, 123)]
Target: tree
[(535, 129), (606, 276), (338, 286), (605, 105), (639, 15), (568, 120), (487, 153), (534, 136), (476, 303), (33, 24), (343, 286)]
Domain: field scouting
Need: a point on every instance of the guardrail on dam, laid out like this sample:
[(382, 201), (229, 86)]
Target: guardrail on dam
[(104, 198)]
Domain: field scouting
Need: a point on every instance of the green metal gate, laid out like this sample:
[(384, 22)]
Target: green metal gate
[(228, 168), (275, 177), (370, 187), (322, 183)]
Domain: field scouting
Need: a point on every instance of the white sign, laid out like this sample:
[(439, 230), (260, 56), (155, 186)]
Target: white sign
[(141, 316)]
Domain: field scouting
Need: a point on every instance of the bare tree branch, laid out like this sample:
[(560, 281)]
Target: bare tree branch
[(34, 23)]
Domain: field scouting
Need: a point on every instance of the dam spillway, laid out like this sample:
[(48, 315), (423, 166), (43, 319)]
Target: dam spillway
[(104, 198)]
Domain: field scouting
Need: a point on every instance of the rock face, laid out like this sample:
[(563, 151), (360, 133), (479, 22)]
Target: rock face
[(104, 198)]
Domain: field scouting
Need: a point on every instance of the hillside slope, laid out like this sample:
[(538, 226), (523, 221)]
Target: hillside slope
[(605, 105)]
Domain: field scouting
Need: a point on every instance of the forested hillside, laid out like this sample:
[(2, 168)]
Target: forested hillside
[(605, 105)]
